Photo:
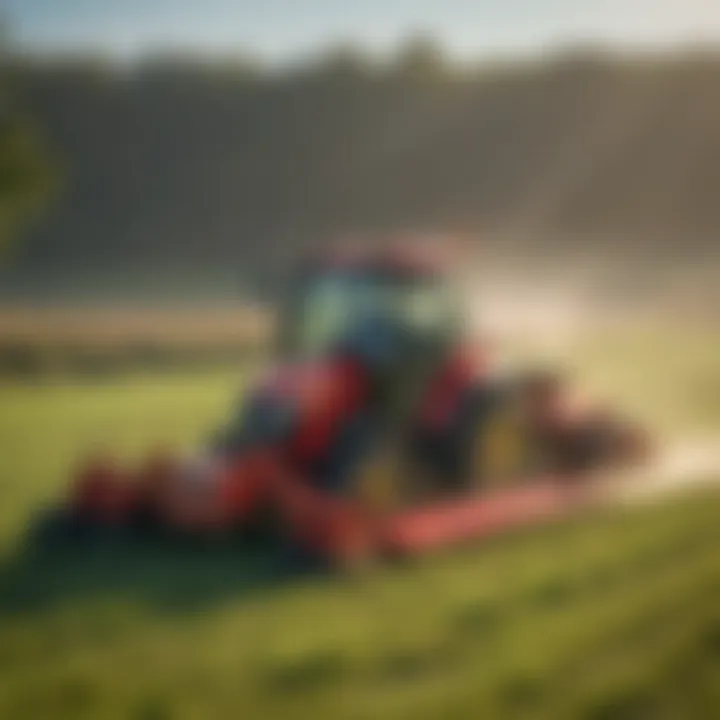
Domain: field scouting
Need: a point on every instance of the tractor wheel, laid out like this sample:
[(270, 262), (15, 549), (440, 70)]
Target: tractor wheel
[(495, 447)]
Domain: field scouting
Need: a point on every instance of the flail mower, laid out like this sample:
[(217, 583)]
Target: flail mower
[(383, 430)]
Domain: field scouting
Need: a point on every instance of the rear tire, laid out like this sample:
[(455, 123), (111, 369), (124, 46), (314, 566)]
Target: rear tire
[(493, 448)]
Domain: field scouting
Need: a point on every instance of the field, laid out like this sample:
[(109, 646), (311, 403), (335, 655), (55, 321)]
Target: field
[(104, 340), (612, 615)]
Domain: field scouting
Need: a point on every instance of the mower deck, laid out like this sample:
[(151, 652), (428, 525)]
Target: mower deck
[(338, 531), (478, 515)]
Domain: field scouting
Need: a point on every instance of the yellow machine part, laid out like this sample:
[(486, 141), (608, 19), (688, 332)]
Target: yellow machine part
[(502, 450)]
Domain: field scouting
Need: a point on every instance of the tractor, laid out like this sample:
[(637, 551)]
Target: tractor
[(383, 430)]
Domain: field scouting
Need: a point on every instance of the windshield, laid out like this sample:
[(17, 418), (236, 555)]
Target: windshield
[(332, 304)]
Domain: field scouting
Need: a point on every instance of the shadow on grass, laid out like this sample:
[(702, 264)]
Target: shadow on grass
[(172, 575), (310, 672)]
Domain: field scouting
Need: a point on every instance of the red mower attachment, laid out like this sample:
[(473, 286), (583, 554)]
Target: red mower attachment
[(104, 494), (218, 495), (333, 529), (348, 534)]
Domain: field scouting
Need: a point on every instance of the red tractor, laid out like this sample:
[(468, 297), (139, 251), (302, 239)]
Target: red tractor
[(381, 431)]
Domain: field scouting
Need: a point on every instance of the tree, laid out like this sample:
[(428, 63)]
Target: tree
[(26, 174), (421, 58), (344, 61)]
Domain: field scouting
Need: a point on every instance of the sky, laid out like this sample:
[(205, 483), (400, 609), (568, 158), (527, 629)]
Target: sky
[(284, 30)]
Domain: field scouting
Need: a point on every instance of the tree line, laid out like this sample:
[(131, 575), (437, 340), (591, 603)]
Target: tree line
[(197, 160)]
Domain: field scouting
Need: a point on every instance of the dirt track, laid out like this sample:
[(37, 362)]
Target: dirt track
[(689, 462)]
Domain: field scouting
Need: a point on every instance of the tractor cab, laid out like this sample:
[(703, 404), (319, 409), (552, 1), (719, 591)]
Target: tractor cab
[(386, 309)]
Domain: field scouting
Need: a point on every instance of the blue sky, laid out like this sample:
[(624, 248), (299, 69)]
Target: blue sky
[(285, 29)]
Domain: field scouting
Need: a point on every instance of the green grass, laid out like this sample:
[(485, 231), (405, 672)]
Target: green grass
[(46, 427), (612, 615)]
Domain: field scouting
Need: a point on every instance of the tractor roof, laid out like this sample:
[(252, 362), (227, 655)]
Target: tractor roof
[(405, 260)]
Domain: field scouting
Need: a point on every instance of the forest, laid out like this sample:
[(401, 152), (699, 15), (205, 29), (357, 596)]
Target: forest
[(214, 161)]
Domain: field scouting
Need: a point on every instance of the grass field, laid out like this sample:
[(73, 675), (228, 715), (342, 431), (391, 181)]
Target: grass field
[(614, 615)]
